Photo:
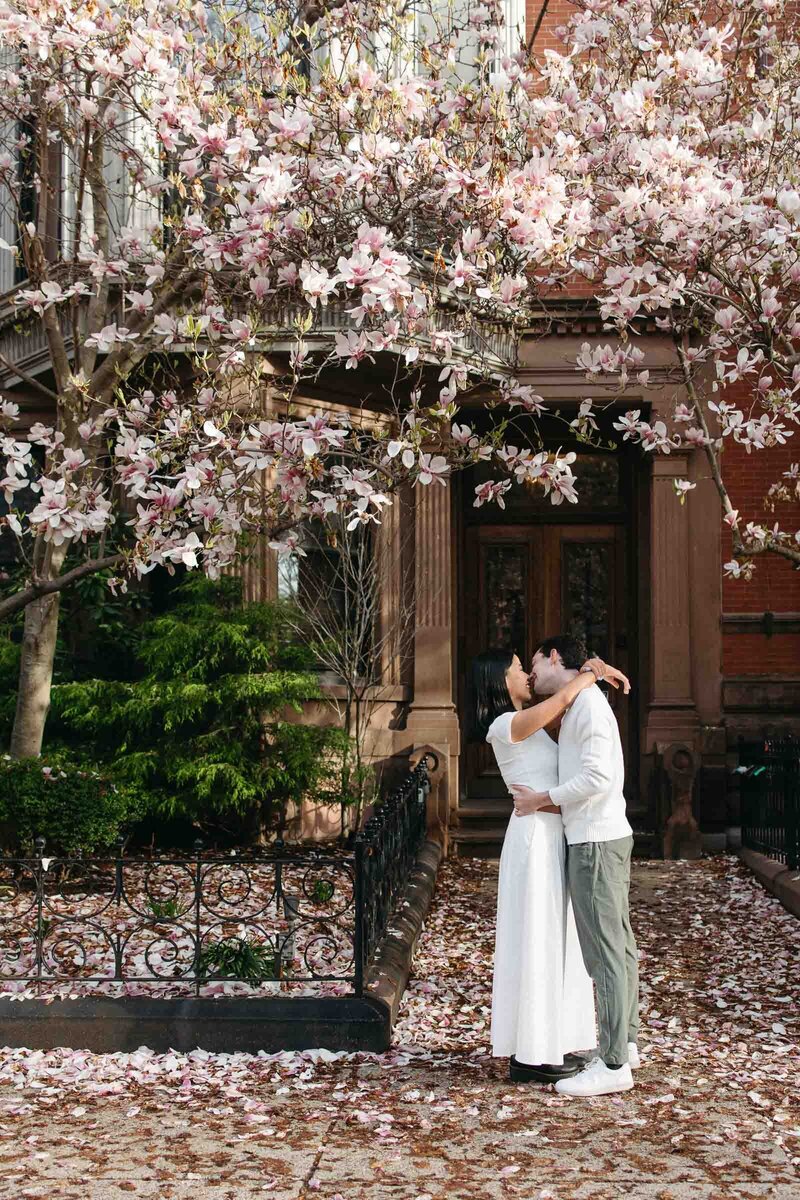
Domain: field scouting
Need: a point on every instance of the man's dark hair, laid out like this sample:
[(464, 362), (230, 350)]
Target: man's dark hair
[(487, 692), (570, 649)]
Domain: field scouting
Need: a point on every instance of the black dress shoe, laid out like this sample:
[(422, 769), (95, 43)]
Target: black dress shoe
[(545, 1072)]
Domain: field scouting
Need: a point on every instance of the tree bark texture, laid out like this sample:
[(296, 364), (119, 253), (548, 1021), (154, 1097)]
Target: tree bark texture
[(35, 676)]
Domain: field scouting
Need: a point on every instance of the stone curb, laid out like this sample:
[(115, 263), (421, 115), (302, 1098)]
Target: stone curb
[(109, 1024), (776, 878), (388, 977)]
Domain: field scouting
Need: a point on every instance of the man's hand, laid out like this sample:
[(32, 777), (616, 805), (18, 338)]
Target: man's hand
[(527, 801)]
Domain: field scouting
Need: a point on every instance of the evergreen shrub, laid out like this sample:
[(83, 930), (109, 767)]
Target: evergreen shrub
[(203, 735), (71, 807)]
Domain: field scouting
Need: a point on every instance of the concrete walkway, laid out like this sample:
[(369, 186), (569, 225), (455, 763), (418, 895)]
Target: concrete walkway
[(714, 1116)]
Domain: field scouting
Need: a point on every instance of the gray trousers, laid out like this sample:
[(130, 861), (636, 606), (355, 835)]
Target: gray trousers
[(599, 875)]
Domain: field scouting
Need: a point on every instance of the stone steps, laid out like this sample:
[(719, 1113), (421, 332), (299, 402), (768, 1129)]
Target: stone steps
[(481, 821), (480, 826), (478, 843)]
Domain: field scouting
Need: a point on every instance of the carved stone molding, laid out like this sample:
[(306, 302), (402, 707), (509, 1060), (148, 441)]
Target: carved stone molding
[(765, 694), (766, 623), (676, 766)]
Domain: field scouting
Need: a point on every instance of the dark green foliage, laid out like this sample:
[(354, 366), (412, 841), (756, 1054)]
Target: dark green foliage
[(9, 679), (322, 891), (238, 958), (202, 735), (98, 632), (71, 808), (164, 910)]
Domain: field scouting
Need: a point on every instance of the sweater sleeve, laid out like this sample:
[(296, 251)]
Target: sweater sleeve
[(593, 734)]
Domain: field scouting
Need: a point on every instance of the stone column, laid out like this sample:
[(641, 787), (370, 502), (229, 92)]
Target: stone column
[(672, 714), (705, 565), (258, 568), (433, 719), (393, 540), (672, 731), (705, 522), (433, 634)]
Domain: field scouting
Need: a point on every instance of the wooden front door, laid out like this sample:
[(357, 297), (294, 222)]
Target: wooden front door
[(523, 583)]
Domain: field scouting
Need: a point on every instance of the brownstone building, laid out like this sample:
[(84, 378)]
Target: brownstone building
[(628, 567), (636, 573)]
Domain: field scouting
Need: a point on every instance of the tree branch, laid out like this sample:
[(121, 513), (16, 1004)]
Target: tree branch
[(45, 587), (15, 369), (739, 545), (770, 546), (538, 25), (691, 391), (121, 362), (96, 315), (314, 11)]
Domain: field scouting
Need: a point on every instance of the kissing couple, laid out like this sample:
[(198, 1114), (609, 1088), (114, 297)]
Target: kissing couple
[(564, 941)]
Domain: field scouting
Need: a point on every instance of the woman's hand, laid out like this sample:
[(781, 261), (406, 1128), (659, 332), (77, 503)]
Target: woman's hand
[(602, 670), (527, 801)]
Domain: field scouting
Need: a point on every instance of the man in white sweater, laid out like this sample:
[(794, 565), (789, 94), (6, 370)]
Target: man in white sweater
[(591, 772)]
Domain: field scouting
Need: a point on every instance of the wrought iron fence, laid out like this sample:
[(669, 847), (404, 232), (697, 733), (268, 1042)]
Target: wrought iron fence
[(384, 856), (770, 797), (257, 923)]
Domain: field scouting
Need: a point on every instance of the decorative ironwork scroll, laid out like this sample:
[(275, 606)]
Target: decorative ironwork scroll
[(232, 924)]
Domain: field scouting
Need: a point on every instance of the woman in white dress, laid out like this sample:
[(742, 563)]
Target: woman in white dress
[(542, 998)]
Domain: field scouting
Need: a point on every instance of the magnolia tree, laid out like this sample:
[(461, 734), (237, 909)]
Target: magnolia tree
[(210, 203), (683, 121), (215, 168)]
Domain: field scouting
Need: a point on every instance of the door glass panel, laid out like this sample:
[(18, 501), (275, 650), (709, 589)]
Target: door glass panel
[(506, 580), (598, 481), (585, 594)]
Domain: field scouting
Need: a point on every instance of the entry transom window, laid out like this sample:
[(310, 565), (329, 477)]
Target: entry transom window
[(598, 488)]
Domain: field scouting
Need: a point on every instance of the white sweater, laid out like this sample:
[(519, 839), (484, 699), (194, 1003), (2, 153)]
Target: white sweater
[(592, 772)]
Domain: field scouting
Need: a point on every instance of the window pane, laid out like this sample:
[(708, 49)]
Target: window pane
[(598, 481), (585, 601), (288, 577), (505, 597), (334, 584)]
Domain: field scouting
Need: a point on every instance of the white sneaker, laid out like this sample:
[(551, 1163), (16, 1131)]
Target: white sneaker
[(597, 1080), (634, 1059)]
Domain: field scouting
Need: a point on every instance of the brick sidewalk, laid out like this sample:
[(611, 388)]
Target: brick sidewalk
[(714, 1115)]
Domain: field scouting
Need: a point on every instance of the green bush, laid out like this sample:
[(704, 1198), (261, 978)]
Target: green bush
[(202, 736), (72, 808)]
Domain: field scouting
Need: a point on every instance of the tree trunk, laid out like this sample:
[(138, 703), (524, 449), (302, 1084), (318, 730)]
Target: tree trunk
[(36, 667)]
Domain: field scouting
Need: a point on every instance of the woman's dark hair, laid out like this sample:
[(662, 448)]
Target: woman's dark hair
[(487, 692)]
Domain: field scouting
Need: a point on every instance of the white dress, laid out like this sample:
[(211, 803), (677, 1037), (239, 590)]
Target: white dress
[(542, 997)]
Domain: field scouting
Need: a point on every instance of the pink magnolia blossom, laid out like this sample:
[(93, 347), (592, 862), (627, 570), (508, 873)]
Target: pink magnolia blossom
[(382, 218), (432, 467), (491, 490)]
